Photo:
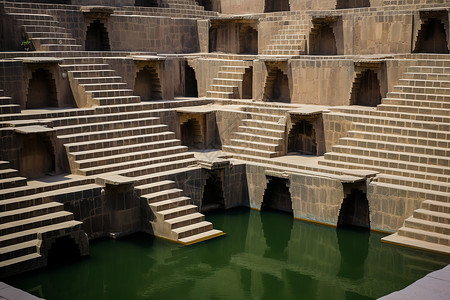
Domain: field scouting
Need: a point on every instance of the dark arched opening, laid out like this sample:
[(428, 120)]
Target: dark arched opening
[(366, 89), (63, 251), (277, 87), (190, 81), (97, 37), (147, 84), (212, 39), (354, 210), (36, 155), (146, 3), (41, 90), (432, 37), (302, 138), (342, 4), (207, 4), (191, 134), (247, 84), (248, 40), (213, 194), (322, 40), (277, 195), (276, 5)]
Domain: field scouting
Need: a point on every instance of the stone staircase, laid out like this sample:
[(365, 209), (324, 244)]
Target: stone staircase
[(94, 83), (172, 8), (29, 218), (290, 39), (261, 133), (41, 28), (407, 139), (7, 105), (229, 80)]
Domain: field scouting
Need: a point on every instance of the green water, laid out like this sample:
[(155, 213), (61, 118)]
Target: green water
[(263, 256)]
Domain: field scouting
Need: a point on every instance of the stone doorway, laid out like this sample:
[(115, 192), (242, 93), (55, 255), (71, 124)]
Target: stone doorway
[(354, 210), (207, 4), (276, 88), (322, 39), (97, 37), (62, 251), (146, 3), (191, 134), (366, 89), (342, 4), (213, 193), (147, 84), (276, 5), (41, 90), (247, 84), (248, 40), (36, 155), (277, 195), (190, 81), (432, 36), (302, 138)]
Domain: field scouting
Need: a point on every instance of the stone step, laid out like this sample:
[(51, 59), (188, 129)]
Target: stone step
[(41, 28), (424, 225), (416, 103), (21, 264), (430, 185), (88, 87), (40, 22), (185, 220), (385, 170), (284, 47), (383, 132), (219, 95), (97, 153), (423, 235), (419, 93), (263, 124), (111, 93), (425, 83), (17, 250), (398, 152), (257, 138), (401, 165), (58, 47), (19, 16), (226, 82), (34, 35), (429, 69), (222, 88), (95, 73), (73, 68), (177, 212), (132, 164), (276, 134), (40, 221), (264, 110), (433, 63), (22, 197), (99, 80), (105, 124), (414, 109), (414, 243), (106, 144), (54, 41), (95, 136), (426, 76), (282, 52), (103, 101), (201, 237), (432, 216), (233, 69), (160, 170), (234, 76), (155, 187), (255, 145), (248, 151), (10, 109), (12, 182), (8, 173), (437, 206), (169, 204), (30, 212), (163, 195), (30, 234), (4, 165), (193, 229), (6, 100)]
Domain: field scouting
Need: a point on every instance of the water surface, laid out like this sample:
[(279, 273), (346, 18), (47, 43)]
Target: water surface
[(263, 256)]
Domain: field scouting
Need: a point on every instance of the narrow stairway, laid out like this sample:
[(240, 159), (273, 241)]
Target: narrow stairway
[(290, 39), (229, 80)]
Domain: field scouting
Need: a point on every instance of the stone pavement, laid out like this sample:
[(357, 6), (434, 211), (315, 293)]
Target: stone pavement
[(8, 292), (434, 286)]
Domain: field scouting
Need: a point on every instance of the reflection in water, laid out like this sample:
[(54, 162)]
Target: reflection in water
[(354, 248), (263, 256)]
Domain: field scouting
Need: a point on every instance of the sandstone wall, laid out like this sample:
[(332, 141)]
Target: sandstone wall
[(242, 7)]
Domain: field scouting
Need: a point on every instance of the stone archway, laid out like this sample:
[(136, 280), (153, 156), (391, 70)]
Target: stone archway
[(190, 81), (63, 250), (36, 155), (277, 195), (147, 84), (322, 39), (41, 90), (191, 134), (366, 89), (213, 193), (432, 37), (302, 138), (97, 38), (247, 84), (276, 88), (354, 210)]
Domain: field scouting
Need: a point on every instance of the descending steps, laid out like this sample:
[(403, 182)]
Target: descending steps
[(260, 134), (7, 105), (94, 83), (406, 138), (229, 81), (290, 39), (27, 217), (41, 28)]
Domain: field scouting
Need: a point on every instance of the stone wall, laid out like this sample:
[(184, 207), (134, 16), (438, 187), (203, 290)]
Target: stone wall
[(242, 7)]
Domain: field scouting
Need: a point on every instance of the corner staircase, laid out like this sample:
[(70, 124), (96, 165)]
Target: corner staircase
[(407, 139), (7, 105), (229, 79), (290, 39)]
